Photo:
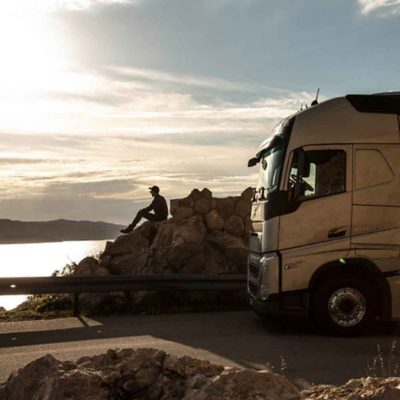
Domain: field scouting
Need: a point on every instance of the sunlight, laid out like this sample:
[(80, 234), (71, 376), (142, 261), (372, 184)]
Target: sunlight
[(29, 53), (34, 66)]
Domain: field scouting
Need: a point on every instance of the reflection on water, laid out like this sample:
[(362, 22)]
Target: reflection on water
[(41, 259)]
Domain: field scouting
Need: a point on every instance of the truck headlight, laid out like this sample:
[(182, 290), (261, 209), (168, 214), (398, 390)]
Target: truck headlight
[(269, 276)]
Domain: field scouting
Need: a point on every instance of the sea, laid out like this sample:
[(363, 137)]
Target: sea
[(41, 259)]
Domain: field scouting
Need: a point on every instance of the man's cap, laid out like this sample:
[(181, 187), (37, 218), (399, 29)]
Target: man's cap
[(155, 189)]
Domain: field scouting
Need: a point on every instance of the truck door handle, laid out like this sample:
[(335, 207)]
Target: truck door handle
[(337, 233)]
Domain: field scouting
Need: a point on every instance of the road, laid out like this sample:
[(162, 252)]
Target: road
[(230, 338)]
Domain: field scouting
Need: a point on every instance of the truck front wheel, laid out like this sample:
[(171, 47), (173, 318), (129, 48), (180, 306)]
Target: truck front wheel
[(344, 305)]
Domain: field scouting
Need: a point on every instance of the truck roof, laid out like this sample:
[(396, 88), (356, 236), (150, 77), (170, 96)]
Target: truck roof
[(354, 118)]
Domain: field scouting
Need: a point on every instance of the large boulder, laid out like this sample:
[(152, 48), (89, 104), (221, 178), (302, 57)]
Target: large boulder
[(234, 225), (242, 208), (214, 221), (90, 266), (232, 249), (142, 374), (176, 243), (225, 207)]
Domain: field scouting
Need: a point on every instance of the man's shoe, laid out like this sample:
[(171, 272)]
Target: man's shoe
[(126, 230)]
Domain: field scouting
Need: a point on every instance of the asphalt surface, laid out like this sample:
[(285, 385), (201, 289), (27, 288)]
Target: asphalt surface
[(229, 338)]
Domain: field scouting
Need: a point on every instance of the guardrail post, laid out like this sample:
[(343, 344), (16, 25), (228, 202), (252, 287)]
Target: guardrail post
[(77, 311)]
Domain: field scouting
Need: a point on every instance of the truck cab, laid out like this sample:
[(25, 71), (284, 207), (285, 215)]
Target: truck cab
[(325, 239)]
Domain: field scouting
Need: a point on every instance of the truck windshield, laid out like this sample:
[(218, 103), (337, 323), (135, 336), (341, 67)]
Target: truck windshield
[(271, 160)]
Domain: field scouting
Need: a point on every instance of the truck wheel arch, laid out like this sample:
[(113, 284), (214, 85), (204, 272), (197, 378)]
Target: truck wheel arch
[(363, 268)]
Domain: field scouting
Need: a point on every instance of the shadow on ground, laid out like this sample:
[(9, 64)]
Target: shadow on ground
[(239, 336)]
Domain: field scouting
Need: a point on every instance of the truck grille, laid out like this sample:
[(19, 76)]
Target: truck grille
[(253, 288), (253, 270), (252, 275)]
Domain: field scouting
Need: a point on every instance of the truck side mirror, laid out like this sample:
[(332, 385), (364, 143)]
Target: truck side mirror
[(252, 162), (303, 170), (301, 163), (298, 190)]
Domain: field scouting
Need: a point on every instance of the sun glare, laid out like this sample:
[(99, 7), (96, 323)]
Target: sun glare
[(33, 64), (28, 51)]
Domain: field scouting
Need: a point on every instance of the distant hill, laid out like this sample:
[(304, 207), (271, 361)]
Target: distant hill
[(55, 231)]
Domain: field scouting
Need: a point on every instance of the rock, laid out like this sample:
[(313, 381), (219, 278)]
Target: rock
[(141, 374), (48, 378), (195, 194), (126, 243), (105, 260), (248, 226), (89, 266), (247, 384), (242, 208), (186, 202), (129, 264), (188, 367), (128, 254), (214, 221), (202, 206), (183, 213), (148, 230), (206, 194), (176, 242), (357, 389), (247, 194), (234, 225), (225, 207), (232, 249)]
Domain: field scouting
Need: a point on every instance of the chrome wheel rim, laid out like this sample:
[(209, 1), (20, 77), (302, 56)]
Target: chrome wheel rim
[(347, 307)]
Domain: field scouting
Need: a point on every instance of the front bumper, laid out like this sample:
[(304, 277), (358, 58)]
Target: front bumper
[(286, 304)]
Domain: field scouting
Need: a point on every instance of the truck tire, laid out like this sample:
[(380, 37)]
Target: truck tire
[(344, 305)]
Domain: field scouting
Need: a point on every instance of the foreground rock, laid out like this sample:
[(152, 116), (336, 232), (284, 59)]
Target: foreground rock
[(142, 374), (357, 389), (153, 374)]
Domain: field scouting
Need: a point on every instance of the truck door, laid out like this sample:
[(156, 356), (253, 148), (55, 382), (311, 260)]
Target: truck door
[(320, 228)]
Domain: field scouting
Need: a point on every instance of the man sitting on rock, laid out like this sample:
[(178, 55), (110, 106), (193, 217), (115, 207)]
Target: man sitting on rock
[(158, 205)]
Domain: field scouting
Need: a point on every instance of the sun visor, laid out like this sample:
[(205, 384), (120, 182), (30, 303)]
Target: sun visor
[(377, 103)]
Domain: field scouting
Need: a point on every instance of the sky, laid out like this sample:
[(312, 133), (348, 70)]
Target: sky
[(99, 99)]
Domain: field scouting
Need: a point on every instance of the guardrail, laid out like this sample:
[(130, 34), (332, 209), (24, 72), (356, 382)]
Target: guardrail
[(118, 283)]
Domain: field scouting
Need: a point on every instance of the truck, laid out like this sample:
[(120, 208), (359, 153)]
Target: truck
[(325, 216)]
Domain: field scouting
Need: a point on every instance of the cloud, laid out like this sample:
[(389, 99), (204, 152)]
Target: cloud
[(191, 81), (388, 7), (86, 4), (136, 101)]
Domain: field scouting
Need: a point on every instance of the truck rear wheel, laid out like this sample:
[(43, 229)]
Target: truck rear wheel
[(344, 305)]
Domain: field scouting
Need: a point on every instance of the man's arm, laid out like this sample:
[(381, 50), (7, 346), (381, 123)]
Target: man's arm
[(149, 208)]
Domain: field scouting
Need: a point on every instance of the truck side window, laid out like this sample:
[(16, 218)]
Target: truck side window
[(325, 173)]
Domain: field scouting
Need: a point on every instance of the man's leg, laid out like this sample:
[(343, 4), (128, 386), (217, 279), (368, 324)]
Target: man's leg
[(151, 217), (136, 220)]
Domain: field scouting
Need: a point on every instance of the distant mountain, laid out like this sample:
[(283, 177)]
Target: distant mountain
[(55, 231)]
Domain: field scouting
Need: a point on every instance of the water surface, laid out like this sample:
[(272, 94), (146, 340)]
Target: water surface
[(41, 259)]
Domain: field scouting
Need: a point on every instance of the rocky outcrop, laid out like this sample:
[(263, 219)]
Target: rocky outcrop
[(142, 374), (205, 235)]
